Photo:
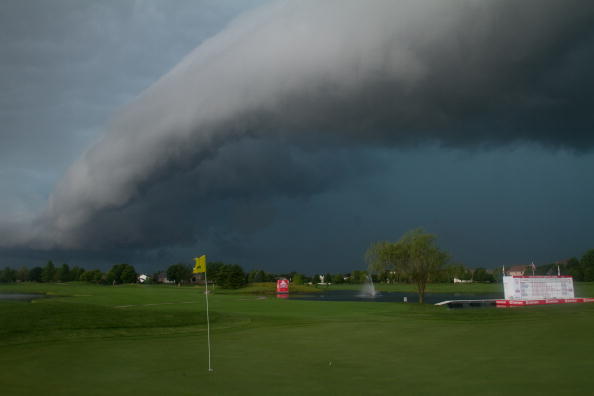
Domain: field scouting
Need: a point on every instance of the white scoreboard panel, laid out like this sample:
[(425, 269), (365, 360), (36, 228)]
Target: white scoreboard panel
[(537, 287)]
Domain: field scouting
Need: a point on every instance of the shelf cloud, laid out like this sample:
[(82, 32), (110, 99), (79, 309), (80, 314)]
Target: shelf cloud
[(271, 105)]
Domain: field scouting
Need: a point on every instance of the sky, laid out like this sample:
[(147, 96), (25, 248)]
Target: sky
[(290, 135)]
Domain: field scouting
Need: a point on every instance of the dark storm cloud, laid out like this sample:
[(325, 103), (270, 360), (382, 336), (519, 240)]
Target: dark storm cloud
[(233, 190), (309, 73), (66, 66)]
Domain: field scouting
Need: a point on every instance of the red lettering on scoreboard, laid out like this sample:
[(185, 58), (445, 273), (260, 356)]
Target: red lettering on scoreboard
[(534, 302), (513, 303)]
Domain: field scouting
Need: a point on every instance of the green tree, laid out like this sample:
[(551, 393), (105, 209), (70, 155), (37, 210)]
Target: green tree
[(458, 271), (498, 275), (338, 278), (262, 276), (574, 268), (75, 273), (86, 276), (212, 270), (35, 274), (415, 255), (121, 273), (49, 272), (63, 273), (258, 276), (230, 276), (179, 273), (587, 264), (380, 257), (297, 279), (23, 274), (420, 258), (481, 275), (358, 276), (128, 275), (251, 276), (8, 275), (92, 276)]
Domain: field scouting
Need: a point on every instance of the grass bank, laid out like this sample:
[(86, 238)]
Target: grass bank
[(267, 288)]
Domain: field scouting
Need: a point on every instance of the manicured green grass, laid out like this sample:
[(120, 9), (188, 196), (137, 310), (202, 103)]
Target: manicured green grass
[(151, 340), (267, 288)]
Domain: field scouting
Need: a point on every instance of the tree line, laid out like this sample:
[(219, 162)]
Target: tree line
[(227, 276), (224, 275), (233, 276), (412, 259), (119, 273), (582, 269)]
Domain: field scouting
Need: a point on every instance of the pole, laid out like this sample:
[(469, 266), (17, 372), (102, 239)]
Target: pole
[(207, 320)]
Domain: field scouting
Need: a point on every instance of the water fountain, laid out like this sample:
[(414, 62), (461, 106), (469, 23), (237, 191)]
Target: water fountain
[(368, 289)]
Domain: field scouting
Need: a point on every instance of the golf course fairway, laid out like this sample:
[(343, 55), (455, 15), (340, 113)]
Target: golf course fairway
[(151, 340)]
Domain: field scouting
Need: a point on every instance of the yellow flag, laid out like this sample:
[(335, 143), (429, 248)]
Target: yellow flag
[(200, 265)]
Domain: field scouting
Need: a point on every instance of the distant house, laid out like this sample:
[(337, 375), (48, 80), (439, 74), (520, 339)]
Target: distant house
[(143, 278), (517, 270), (456, 280), (198, 279), (162, 278)]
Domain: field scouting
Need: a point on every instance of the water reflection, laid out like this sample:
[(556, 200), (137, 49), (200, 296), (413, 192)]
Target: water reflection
[(411, 297), (20, 296)]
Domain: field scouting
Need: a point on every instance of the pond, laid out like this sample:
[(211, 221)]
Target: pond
[(20, 296), (411, 297)]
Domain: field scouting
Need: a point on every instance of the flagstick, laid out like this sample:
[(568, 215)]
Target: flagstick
[(207, 319)]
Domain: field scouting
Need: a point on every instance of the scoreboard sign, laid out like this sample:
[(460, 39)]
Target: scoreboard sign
[(282, 286), (538, 287)]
